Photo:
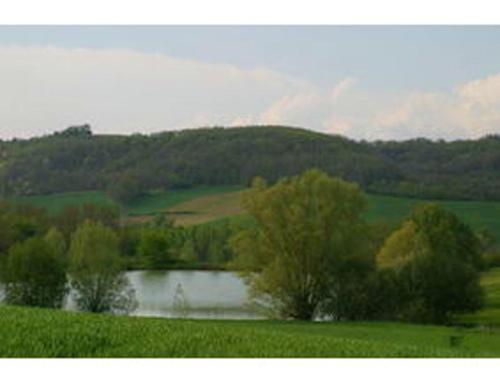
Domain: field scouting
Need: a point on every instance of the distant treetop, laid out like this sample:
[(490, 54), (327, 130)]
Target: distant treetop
[(76, 131)]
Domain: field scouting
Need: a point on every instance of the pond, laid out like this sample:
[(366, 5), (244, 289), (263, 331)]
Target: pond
[(191, 294), (188, 294)]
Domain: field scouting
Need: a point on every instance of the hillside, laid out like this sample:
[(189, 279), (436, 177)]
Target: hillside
[(206, 204), (127, 166)]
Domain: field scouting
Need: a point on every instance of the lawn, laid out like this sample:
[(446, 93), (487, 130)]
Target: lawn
[(29, 332)]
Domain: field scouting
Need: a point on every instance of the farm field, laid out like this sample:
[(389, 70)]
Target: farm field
[(54, 203), (30, 332), (204, 204)]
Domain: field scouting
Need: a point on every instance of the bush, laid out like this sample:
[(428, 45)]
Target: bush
[(34, 274)]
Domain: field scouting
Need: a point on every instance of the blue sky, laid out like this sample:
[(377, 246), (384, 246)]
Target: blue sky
[(364, 82)]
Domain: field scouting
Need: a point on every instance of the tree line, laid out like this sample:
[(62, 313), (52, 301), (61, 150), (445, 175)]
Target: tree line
[(311, 254), (128, 166), (306, 252)]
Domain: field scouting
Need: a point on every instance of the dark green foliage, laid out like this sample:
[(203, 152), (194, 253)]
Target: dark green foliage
[(79, 131), (18, 223), (436, 259), (127, 187), (129, 165), (434, 288), (72, 216), (155, 247), (34, 274)]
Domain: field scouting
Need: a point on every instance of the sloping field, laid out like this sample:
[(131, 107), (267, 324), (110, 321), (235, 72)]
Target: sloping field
[(207, 208), (30, 332), (54, 203), (166, 200), (480, 215), (203, 204)]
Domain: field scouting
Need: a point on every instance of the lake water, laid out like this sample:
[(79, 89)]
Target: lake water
[(188, 294), (191, 294)]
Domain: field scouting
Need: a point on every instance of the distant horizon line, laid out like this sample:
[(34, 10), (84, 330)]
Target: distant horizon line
[(263, 126)]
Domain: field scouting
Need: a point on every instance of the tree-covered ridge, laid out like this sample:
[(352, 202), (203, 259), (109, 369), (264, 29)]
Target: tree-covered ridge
[(126, 166)]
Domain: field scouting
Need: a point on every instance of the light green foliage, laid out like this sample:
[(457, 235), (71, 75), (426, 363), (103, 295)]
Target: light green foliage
[(308, 232), (55, 240), (62, 334), (96, 270), (34, 273)]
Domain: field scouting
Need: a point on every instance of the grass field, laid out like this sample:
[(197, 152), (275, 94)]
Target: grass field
[(29, 332), (479, 214), (54, 203), (203, 204), (161, 202)]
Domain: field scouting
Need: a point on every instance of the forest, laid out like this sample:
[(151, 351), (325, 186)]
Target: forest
[(125, 167)]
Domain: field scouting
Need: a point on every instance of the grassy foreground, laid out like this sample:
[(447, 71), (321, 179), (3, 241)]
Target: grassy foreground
[(29, 332)]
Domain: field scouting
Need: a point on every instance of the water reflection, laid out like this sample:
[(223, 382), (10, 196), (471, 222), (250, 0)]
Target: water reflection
[(192, 294)]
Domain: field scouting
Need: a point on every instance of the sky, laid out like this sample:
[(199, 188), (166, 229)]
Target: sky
[(389, 83)]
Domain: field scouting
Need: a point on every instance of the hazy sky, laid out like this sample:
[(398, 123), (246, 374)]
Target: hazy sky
[(363, 82)]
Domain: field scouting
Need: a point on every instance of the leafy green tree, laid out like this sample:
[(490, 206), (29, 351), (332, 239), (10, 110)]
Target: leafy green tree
[(155, 247), (308, 238), (436, 258), (34, 274), (208, 244), (96, 271)]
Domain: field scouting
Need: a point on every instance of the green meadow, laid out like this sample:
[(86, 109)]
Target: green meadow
[(30, 332)]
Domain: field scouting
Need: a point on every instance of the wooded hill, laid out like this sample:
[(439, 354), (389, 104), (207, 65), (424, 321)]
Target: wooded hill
[(126, 166)]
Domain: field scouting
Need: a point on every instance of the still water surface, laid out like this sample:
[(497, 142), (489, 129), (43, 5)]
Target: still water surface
[(191, 294), (187, 294)]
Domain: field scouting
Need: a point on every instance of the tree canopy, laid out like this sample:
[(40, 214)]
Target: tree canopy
[(308, 231), (127, 166)]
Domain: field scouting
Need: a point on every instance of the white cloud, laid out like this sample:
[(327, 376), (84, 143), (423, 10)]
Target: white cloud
[(46, 88), (43, 89)]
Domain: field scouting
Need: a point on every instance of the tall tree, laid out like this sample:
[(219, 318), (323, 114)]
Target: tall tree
[(96, 271), (308, 234)]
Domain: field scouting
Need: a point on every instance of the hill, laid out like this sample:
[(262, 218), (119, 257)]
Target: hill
[(126, 167)]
